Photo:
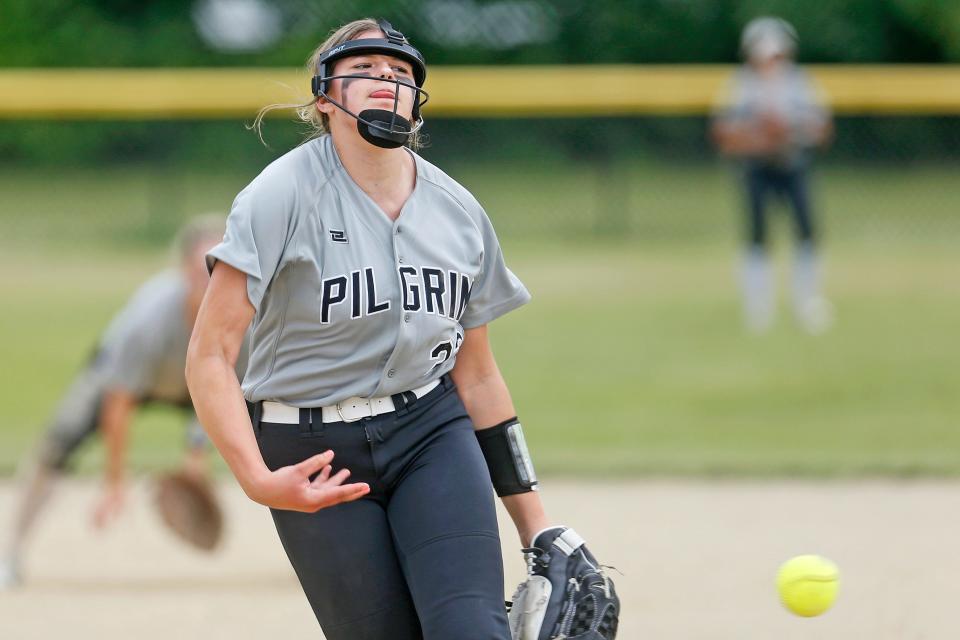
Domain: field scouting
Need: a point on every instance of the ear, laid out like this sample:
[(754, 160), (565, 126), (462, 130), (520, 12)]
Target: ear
[(324, 106)]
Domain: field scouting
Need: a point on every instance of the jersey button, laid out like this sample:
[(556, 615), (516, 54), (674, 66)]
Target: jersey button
[(400, 259), (406, 317), (391, 373), (397, 231)]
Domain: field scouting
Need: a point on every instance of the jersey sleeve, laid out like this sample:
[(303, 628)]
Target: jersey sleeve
[(496, 290), (258, 229), (729, 103), (812, 109), (816, 99)]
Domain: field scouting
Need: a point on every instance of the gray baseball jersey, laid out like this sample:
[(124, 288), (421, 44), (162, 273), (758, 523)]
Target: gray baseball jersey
[(348, 302), (144, 348), (791, 96)]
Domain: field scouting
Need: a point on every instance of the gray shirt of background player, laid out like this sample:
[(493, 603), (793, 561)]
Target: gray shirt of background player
[(144, 348), (791, 96), (348, 302)]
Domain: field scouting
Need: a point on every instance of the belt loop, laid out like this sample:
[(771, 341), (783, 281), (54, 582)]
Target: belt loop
[(409, 399), (403, 402), (255, 411), (399, 403), (304, 422), (316, 420)]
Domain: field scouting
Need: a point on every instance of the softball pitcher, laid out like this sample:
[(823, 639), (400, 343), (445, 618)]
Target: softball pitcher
[(369, 277), (772, 117), (139, 359)]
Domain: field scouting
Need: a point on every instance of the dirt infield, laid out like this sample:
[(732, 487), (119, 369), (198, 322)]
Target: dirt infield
[(698, 561)]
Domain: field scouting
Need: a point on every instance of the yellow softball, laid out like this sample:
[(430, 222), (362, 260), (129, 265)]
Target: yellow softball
[(808, 585)]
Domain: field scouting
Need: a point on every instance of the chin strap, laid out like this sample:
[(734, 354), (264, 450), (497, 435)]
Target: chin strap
[(382, 128)]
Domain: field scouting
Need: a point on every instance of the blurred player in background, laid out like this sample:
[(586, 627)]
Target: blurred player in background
[(772, 117), (140, 359)]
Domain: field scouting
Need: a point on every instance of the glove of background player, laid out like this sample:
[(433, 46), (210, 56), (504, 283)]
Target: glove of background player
[(190, 509), (566, 594)]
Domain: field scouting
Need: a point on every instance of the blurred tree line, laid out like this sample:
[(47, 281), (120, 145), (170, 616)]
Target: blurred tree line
[(164, 33), (183, 33)]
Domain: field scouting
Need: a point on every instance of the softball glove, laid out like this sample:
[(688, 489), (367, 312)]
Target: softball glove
[(566, 594), (190, 509)]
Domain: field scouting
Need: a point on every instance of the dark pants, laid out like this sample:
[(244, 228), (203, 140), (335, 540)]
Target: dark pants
[(419, 556), (788, 184)]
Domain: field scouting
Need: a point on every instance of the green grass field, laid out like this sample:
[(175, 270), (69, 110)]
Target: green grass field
[(631, 359)]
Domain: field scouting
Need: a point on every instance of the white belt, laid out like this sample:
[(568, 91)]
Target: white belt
[(349, 410)]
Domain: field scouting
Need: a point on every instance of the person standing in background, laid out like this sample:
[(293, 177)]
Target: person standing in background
[(771, 117)]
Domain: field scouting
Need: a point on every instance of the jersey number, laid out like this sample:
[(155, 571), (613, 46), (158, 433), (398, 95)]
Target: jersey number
[(442, 352)]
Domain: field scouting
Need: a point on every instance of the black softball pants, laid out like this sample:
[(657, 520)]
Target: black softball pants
[(418, 558), (791, 186)]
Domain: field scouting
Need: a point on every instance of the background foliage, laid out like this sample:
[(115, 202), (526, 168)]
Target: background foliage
[(134, 33), (129, 33)]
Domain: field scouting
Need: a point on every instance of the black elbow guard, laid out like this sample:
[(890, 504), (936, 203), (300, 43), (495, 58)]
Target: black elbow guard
[(508, 460)]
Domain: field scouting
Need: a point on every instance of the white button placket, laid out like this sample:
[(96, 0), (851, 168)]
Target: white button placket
[(404, 316)]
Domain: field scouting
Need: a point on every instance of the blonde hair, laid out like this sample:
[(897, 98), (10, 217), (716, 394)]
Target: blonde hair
[(318, 123)]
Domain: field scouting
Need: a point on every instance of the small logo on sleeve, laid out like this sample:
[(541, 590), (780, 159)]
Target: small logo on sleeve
[(338, 236)]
